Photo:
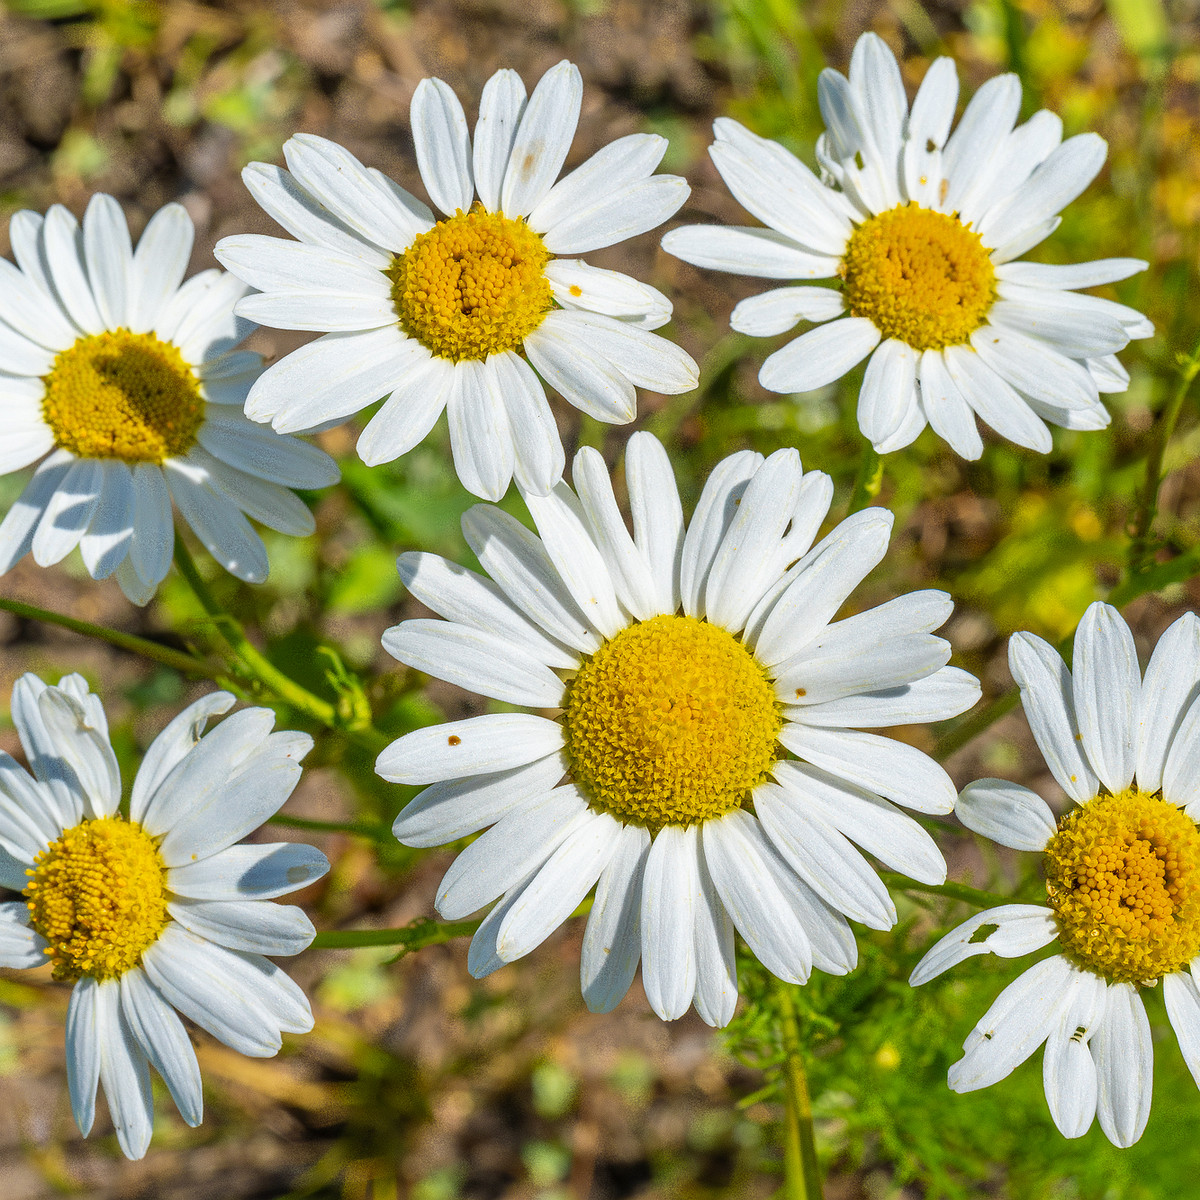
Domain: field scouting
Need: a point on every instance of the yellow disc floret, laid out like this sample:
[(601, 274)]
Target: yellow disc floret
[(99, 897), (1123, 877), (919, 276), (473, 285), (123, 395), (670, 722)]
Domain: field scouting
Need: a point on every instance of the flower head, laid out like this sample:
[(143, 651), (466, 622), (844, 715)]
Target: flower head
[(128, 381), (708, 771), (921, 228), (154, 910), (465, 311), (1122, 872)]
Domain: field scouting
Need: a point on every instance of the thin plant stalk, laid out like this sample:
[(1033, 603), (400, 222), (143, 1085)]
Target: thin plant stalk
[(802, 1172)]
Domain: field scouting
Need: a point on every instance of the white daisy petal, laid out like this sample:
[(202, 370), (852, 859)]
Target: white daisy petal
[(735, 850), (1124, 1057), (1019, 1021), (520, 842), (381, 215), (500, 107), (20, 523), (944, 694), (715, 998), (1070, 275), (61, 792), (748, 250), (892, 769), (986, 121), (277, 265), (558, 887), (232, 995), (83, 1052), (418, 397), (874, 825), (518, 562), (28, 248), (1069, 1070), (162, 1039), (1171, 685), (217, 522), (612, 941), (1006, 813), (890, 376), (84, 748), (537, 446), (627, 567), (928, 126), (153, 540), (30, 308), (780, 309), (1182, 998), (996, 401), (543, 139), (476, 746), (658, 529), (670, 895), (1047, 695), (445, 812), (577, 285), (1181, 771), (68, 512), (480, 435), (611, 197), (109, 534), (1009, 931), (716, 508), (21, 947), (472, 658), (261, 452), (318, 310), (820, 855), (305, 217), (257, 926), (62, 242), (875, 75), (124, 1073), (1107, 686), (945, 406), (819, 356), (109, 256), (1007, 170), (1033, 367), (824, 579), (460, 595), (582, 375), (442, 145), (23, 447), (1051, 187), (159, 265), (560, 521), (262, 871), (644, 358)]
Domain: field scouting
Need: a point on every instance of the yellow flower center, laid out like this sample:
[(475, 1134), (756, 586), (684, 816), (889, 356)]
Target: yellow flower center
[(1123, 877), (473, 285), (99, 897), (670, 722), (123, 395), (919, 276)]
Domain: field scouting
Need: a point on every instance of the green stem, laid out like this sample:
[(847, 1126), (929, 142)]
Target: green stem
[(412, 937), (239, 647), (976, 897), (1141, 551), (374, 831), (665, 423), (868, 480), (975, 724), (802, 1172), (178, 660)]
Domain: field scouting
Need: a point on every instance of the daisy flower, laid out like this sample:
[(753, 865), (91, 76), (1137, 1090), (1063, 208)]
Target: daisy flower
[(922, 228), (156, 911), (706, 769), (129, 382), (1122, 872), (458, 313)]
